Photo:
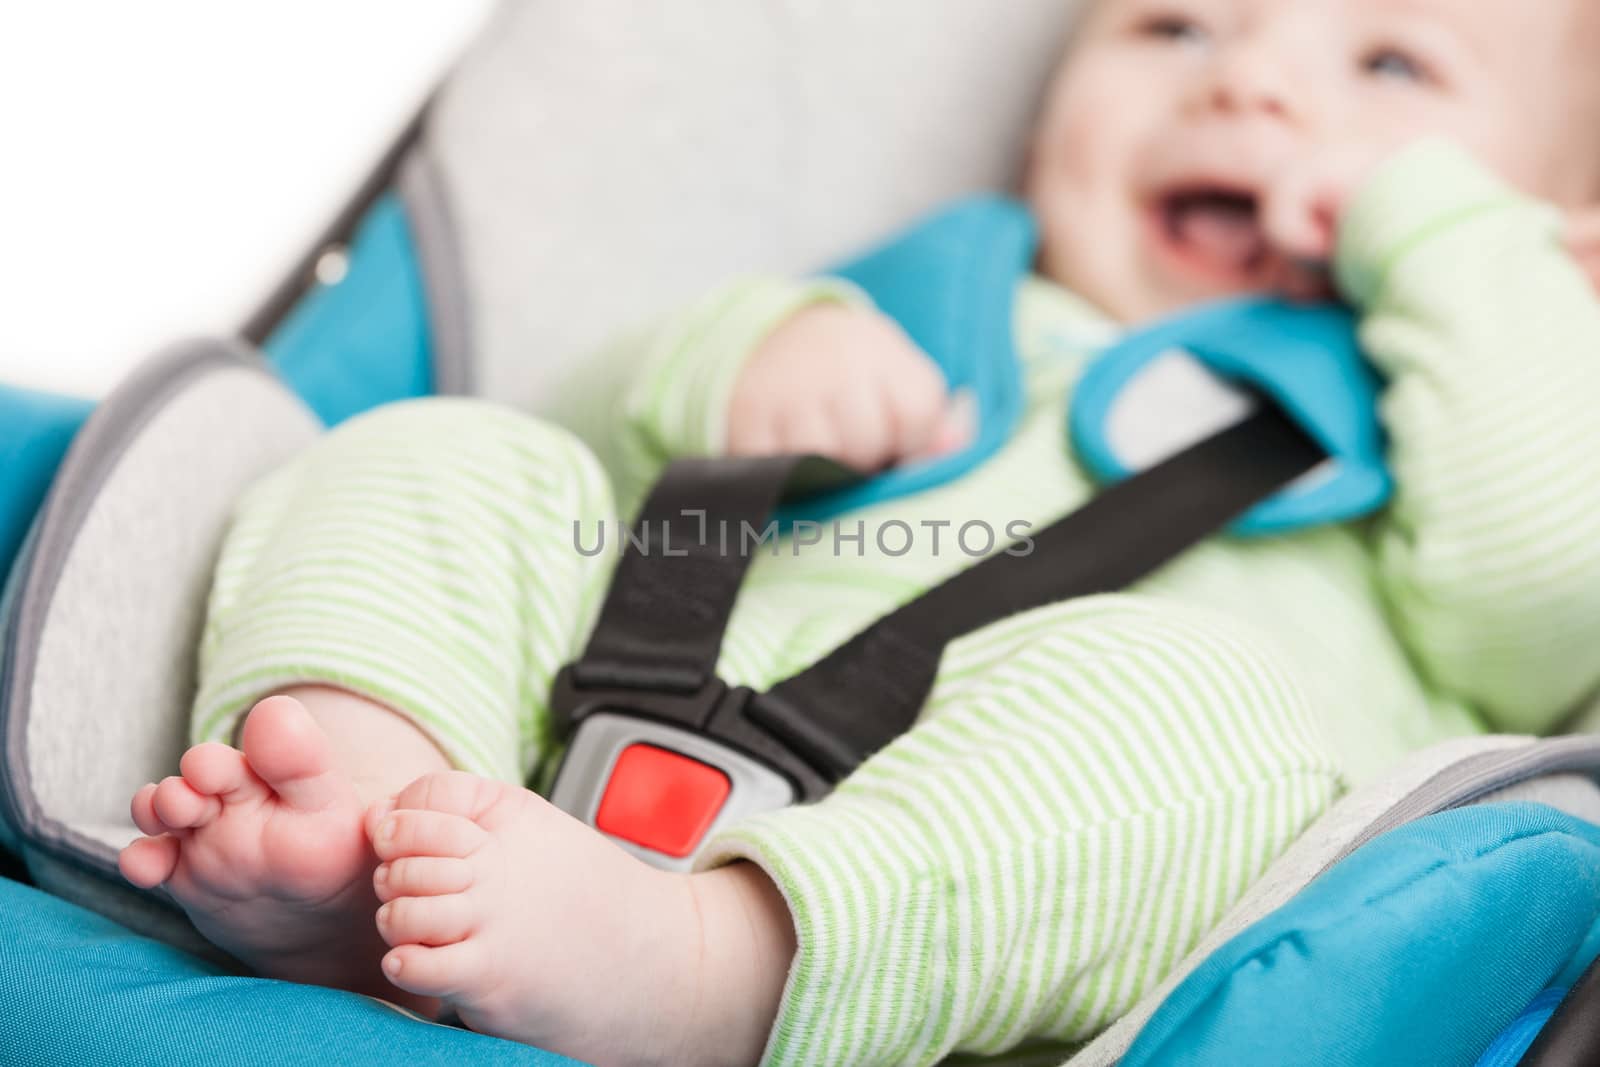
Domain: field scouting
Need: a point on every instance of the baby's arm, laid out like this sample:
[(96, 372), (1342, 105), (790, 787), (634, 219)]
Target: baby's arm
[(1582, 237), (663, 392), (1489, 334), (757, 367)]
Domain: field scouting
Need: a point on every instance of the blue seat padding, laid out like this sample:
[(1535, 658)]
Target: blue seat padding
[(35, 430), (1512, 1045), (363, 342), (77, 989), (1419, 948), (1513, 1042)]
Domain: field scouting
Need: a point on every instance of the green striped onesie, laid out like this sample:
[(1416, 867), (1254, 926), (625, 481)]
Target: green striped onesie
[(1093, 783)]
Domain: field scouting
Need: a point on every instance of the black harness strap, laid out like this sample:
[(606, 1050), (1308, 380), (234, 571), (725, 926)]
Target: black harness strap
[(870, 690), (661, 626)]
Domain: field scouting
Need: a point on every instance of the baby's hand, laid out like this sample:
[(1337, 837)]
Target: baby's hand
[(845, 383), (1583, 240)]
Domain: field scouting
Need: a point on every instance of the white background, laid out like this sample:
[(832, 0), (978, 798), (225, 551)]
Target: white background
[(164, 164)]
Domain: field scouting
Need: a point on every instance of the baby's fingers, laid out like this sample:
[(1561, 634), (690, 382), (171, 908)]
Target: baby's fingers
[(1582, 237), (1582, 230), (808, 429), (916, 399), (1589, 262), (1298, 216), (955, 428), (864, 429)]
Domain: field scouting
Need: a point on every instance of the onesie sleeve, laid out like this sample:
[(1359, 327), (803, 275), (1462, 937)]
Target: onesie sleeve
[(1489, 336), (663, 392)]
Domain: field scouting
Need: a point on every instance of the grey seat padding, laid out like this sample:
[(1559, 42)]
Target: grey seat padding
[(606, 160)]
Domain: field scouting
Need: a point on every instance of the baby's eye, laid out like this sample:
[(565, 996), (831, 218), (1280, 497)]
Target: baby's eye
[(1178, 29), (1396, 64)]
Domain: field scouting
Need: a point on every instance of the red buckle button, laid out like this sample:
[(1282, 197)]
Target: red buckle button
[(661, 800)]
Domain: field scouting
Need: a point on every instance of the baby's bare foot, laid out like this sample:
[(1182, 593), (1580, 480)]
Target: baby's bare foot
[(534, 927), (265, 850)]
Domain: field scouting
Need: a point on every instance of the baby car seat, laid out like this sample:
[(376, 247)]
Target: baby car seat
[(583, 167)]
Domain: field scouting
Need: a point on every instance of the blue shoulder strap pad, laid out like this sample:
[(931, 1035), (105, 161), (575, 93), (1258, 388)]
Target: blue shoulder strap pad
[(1306, 358)]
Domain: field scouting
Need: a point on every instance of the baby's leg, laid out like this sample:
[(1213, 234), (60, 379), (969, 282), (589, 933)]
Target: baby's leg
[(406, 587), (1092, 786)]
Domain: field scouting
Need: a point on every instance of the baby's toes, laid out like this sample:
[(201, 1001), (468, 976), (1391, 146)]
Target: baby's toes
[(452, 792), (442, 920), (179, 807), (143, 810), (422, 876), (442, 971), (149, 861), (412, 832), (213, 769)]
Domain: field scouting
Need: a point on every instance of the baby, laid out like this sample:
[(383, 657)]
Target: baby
[(1092, 784)]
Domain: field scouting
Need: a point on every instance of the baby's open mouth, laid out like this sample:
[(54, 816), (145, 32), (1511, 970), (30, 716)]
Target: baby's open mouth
[(1215, 232)]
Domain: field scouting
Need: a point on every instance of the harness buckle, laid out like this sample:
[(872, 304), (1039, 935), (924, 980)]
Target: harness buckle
[(661, 767)]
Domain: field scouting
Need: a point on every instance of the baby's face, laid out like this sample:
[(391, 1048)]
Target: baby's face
[(1172, 119)]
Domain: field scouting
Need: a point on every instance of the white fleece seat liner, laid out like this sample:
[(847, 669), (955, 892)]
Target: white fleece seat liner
[(106, 611)]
